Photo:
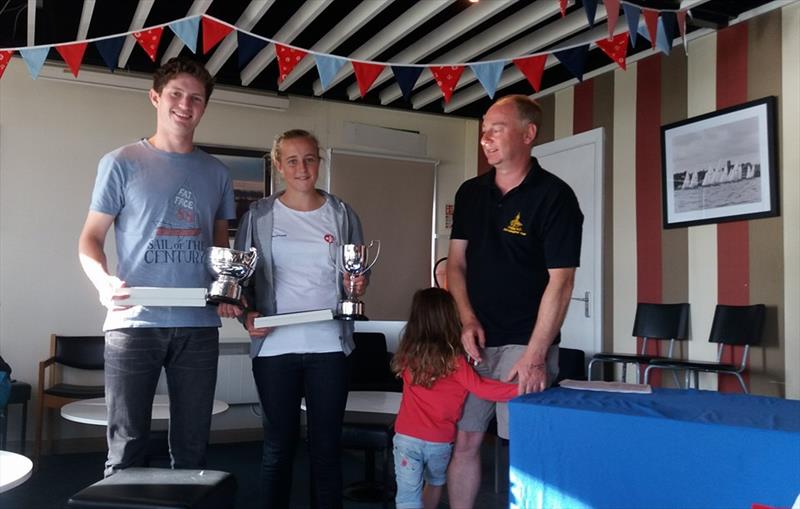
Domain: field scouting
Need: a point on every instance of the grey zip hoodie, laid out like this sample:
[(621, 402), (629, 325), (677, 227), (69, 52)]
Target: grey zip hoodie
[(256, 230)]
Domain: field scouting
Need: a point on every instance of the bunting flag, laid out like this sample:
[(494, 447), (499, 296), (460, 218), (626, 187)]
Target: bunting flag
[(632, 17), (563, 7), (574, 59), (34, 58), (72, 55), (663, 40), (366, 74), (651, 20), (590, 6), (489, 75), (248, 47), (288, 58), (5, 58), (669, 21), (447, 78), (327, 67), (681, 20), (616, 48), (187, 30), (148, 40), (213, 33), (406, 78), (109, 49), (532, 68), (612, 15)]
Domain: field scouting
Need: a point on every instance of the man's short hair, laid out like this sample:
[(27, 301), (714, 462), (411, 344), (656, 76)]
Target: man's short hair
[(528, 110), (183, 65)]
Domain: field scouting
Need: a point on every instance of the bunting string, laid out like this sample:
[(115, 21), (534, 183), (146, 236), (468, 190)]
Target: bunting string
[(658, 26)]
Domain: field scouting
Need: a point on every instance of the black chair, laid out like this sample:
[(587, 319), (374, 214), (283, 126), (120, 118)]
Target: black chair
[(732, 326), (653, 321), (78, 352), (440, 266), (373, 433), (20, 395), (159, 488)]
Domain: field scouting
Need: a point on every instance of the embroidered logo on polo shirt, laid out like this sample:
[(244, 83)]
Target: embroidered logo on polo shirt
[(515, 226)]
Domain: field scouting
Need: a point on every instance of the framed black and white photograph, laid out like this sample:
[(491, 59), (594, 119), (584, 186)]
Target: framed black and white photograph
[(721, 166), (249, 173)]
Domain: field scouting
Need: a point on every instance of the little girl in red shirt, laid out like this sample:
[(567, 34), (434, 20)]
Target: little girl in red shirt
[(436, 381)]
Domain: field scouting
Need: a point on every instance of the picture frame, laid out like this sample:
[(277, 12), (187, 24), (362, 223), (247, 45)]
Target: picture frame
[(249, 174), (721, 166)]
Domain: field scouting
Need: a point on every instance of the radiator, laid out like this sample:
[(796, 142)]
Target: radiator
[(235, 383)]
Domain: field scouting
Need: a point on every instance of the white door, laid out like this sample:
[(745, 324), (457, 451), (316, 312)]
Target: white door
[(578, 160)]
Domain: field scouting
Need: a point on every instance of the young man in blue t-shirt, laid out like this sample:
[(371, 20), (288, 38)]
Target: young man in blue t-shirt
[(168, 202)]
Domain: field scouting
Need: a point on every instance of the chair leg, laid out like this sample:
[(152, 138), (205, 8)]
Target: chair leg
[(589, 369), (637, 372), (741, 382), (676, 379), (37, 446), (696, 380), (624, 371)]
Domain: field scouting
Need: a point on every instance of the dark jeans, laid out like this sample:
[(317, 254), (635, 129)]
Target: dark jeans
[(282, 381), (134, 358)]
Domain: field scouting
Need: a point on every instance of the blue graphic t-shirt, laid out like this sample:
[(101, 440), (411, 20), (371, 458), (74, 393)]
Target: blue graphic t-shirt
[(165, 205)]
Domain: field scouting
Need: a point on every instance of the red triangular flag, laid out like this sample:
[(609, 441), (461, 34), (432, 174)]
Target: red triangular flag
[(366, 74), (149, 40), (616, 48), (447, 79), (681, 22), (651, 20), (612, 13), (5, 58), (72, 55), (532, 68), (288, 58), (563, 6), (213, 32)]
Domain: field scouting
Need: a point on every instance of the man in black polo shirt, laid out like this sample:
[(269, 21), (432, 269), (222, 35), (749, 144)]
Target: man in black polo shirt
[(514, 247)]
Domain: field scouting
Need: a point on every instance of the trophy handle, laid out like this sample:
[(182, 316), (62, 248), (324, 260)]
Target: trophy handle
[(377, 253)]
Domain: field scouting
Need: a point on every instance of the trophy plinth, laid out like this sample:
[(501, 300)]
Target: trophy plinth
[(353, 261), (230, 268)]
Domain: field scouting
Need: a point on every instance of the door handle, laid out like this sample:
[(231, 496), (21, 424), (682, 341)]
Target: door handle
[(585, 300)]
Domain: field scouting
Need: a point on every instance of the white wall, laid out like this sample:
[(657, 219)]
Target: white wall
[(51, 137)]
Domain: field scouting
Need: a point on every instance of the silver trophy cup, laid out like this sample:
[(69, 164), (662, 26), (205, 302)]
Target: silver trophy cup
[(230, 269), (353, 260)]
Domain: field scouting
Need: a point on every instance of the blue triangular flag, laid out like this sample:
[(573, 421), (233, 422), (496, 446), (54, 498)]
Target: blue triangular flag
[(642, 30), (670, 20), (489, 75), (574, 59), (109, 49), (328, 66), (632, 16), (663, 43), (34, 59), (249, 47), (590, 6), (406, 78), (187, 31)]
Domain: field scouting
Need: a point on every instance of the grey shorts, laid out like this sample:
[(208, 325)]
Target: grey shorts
[(497, 362)]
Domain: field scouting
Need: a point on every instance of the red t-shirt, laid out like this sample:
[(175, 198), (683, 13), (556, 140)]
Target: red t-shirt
[(432, 414)]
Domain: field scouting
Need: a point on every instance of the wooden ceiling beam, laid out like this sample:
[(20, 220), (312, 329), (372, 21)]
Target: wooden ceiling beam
[(455, 27), (417, 14), (307, 13)]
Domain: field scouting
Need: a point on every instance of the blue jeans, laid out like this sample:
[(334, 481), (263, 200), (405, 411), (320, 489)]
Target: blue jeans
[(282, 380), (133, 361), (416, 460)]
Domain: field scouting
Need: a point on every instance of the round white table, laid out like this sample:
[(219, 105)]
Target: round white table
[(94, 411), (376, 402), (15, 469)]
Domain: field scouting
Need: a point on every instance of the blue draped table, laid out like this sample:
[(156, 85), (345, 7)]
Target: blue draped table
[(672, 448)]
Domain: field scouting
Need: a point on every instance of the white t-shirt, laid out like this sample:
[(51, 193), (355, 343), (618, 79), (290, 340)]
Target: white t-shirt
[(305, 278)]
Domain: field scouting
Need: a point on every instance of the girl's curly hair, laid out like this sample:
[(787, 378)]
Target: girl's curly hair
[(431, 341)]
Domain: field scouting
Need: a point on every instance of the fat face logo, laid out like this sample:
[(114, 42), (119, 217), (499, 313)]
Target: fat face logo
[(515, 227)]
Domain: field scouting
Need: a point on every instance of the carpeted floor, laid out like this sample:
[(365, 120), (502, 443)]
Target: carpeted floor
[(59, 476)]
